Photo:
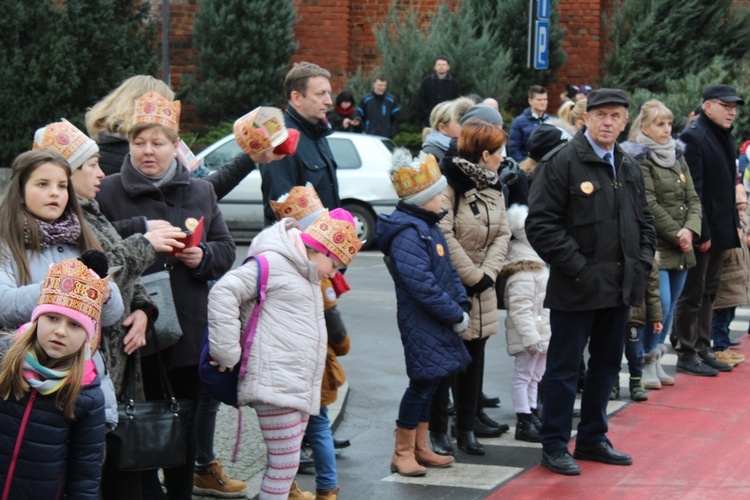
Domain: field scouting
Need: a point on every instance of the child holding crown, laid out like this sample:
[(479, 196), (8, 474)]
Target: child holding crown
[(432, 303)]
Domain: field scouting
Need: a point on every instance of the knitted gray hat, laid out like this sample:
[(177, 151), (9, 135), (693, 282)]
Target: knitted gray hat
[(483, 112)]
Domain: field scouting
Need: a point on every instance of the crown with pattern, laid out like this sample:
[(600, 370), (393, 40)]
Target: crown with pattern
[(154, 108), (408, 179), (334, 235), (300, 202), (66, 139), (75, 291)]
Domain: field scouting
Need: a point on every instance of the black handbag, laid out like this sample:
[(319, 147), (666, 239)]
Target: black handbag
[(150, 434)]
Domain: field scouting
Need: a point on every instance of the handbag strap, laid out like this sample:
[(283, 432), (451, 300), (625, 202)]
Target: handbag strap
[(166, 385), (175, 214), (252, 324)]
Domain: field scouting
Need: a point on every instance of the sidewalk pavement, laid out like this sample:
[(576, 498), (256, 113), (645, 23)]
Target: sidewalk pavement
[(251, 459)]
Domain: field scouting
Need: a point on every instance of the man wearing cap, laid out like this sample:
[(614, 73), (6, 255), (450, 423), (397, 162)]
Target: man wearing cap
[(589, 219), (307, 88), (709, 152), (525, 123)]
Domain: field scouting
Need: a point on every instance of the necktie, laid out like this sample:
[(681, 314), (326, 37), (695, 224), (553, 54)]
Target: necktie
[(608, 158)]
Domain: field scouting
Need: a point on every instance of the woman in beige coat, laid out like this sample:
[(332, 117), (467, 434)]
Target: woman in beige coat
[(477, 233)]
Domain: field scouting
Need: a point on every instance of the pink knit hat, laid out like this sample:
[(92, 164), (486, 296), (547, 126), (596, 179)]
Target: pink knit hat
[(333, 234)]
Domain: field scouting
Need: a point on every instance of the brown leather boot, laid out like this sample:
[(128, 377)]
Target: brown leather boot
[(327, 494), (404, 461), (425, 456), (297, 494)]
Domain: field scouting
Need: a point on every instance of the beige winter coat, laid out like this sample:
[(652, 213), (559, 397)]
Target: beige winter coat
[(734, 290), (477, 246), (285, 366)]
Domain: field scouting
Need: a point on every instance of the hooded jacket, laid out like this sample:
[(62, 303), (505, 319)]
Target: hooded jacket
[(430, 296), (288, 354), (673, 202)]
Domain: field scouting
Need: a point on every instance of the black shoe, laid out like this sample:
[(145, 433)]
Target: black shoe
[(341, 443), (486, 420), (525, 428), (306, 463), (487, 431), (734, 343), (710, 360), (560, 462), (601, 452), (467, 442), (694, 366), (488, 402), (441, 444), (536, 419), (614, 394)]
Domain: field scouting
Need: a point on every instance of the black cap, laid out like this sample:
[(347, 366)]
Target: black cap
[(726, 93), (544, 139), (606, 97)]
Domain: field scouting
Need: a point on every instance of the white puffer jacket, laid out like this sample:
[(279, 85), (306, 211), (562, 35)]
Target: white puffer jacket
[(286, 362), (527, 322)]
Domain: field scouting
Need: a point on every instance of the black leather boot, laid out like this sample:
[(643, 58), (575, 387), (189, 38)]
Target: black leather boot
[(488, 422), (525, 428), (483, 430), (441, 444), (537, 420), (467, 442)]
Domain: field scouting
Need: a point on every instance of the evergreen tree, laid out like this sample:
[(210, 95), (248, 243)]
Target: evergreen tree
[(243, 51), (57, 58), (655, 41)]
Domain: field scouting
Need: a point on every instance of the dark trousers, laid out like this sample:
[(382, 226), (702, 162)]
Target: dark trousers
[(605, 331), (439, 407), (186, 385), (469, 385), (415, 403), (634, 349), (694, 310)]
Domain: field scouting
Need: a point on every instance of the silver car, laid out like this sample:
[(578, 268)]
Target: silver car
[(364, 183)]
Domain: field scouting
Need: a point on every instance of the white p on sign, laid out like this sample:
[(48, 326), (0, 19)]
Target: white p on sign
[(541, 44)]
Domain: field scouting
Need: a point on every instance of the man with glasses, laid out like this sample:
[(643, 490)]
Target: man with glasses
[(710, 153)]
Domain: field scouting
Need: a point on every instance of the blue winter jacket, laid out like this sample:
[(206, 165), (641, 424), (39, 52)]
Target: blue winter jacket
[(429, 293), (59, 458), (520, 131)]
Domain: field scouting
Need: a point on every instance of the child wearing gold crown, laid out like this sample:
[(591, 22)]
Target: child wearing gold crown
[(52, 406), (432, 304), (285, 365)]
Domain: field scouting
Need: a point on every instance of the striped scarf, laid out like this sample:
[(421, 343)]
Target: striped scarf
[(43, 379)]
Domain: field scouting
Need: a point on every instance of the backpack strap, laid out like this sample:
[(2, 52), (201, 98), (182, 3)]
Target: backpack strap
[(252, 324)]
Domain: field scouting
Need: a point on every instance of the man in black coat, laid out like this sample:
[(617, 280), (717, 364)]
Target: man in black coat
[(436, 88), (709, 153), (589, 219), (308, 91)]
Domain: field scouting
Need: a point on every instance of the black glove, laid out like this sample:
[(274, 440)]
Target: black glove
[(485, 283)]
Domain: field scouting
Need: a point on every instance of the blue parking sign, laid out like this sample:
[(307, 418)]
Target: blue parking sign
[(541, 44), (543, 8)]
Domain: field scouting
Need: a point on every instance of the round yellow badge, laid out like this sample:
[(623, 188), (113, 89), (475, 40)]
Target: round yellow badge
[(191, 223), (440, 250), (682, 177), (587, 187)]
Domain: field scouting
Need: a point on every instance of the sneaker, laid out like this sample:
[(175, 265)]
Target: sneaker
[(739, 357), (729, 357), (710, 360), (212, 481), (637, 391), (694, 366)]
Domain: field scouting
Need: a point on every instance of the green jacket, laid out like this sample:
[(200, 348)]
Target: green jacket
[(673, 202), (650, 309)]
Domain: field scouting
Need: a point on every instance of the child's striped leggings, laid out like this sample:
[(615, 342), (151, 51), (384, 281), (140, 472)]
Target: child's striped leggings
[(283, 430)]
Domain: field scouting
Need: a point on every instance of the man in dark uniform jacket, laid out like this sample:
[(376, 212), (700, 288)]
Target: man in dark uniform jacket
[(308, 90), (589, 219), (436, 88), (709, 153)]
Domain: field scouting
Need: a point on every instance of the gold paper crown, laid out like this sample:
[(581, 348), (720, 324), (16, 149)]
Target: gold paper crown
[(62, 137), (408, 180), (301, 201), (337, 236), (153, 108), (71, 284)]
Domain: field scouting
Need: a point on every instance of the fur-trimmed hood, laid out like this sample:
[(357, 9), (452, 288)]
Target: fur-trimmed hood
[(641, 151), (521, 266)]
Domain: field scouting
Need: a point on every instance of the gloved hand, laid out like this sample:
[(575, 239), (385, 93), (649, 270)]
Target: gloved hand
[(535, 349), (485, 283), (463, 325)]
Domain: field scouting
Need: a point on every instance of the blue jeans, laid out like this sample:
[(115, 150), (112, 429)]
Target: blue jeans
[(720, 327), (415, 404), (634, 349), (671, 283), (320, 438)]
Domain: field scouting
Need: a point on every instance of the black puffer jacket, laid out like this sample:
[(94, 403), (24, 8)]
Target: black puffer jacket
[(596, 232), (59, 458)]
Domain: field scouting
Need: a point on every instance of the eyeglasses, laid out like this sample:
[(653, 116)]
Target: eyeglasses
[(728, 107)]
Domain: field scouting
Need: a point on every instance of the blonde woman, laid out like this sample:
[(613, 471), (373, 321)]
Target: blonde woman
[(443, 127)]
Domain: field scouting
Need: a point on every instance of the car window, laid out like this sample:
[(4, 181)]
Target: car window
[(222, 155), (389, 144), (345, 153)]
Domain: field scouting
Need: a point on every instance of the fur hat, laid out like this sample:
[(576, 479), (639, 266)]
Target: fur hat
[(74, 290), (334, 235), (483, 112), (151, 107), (301, 203), (64, 138), (416, 181), (516, 215)]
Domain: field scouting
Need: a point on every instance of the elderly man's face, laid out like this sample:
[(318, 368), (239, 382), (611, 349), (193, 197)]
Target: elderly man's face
[(605, 123), (721, 113)]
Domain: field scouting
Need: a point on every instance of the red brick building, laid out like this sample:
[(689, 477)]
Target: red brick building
[(337, 35)]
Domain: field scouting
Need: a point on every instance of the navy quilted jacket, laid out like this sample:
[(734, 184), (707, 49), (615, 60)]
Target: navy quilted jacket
[(431, 298)]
